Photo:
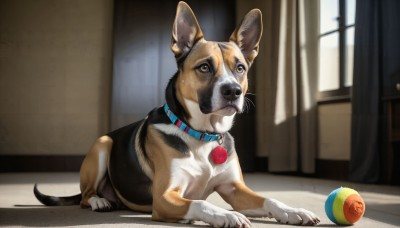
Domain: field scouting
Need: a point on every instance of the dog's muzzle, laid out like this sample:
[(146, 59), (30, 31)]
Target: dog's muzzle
[(230, 101), (225, 100)]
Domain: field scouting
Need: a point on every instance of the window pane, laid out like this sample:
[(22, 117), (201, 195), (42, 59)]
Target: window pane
[(329, 12), (350, 12), (329, 62), (349, 56)]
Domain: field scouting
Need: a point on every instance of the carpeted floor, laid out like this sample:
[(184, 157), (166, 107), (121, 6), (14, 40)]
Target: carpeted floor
[(18, 206)]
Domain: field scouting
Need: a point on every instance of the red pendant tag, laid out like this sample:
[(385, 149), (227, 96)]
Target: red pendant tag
[(219, 155)]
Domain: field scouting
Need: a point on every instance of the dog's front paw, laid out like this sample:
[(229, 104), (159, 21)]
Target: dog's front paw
[(216, 216), (288, 215), (230, 219)]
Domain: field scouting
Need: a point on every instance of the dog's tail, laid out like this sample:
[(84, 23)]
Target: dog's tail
[(55, 200)]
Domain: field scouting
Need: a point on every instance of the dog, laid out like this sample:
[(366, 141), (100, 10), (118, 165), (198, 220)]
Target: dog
[(168, 163)]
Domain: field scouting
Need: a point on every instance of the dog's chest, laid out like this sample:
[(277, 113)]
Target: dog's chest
[(196, 175)]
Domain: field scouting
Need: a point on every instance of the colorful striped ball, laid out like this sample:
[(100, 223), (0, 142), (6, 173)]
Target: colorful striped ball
[(344, 206)]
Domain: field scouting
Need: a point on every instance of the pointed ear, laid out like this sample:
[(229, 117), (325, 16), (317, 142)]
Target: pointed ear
[(185, 31), (248, 34)]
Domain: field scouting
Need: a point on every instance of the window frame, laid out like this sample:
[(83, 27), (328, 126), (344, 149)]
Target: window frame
[(343, 92)]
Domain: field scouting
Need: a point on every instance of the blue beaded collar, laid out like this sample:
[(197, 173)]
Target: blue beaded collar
[(184, 127)]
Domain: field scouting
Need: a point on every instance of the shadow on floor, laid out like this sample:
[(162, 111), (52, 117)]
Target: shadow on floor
[(42, 216), (387, 213)]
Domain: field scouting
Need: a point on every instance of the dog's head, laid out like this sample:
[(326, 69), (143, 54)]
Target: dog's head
[(212, 77)]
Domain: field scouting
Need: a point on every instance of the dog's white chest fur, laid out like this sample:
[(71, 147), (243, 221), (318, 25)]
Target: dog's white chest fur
[(195, 174)]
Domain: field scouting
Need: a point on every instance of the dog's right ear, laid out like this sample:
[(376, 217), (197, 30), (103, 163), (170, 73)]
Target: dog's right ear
[(185, 31), (248, 34)]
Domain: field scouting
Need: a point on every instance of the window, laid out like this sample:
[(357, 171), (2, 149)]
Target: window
[(336, 47)]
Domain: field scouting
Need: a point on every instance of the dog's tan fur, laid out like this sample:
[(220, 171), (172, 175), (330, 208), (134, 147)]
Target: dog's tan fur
[(90, 174)]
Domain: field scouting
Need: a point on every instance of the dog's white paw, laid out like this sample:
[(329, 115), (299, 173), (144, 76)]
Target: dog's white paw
[(230, 219), (216, 216), (288, 215), (100, 204)]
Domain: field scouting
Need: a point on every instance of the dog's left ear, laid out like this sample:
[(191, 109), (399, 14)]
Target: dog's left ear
[(248, 34), (186, 30)]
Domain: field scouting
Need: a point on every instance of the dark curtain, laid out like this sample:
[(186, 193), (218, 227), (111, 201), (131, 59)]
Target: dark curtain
[(376, 68), (285, 84)]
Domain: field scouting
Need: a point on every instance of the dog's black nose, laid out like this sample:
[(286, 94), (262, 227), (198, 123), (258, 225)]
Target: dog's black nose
[(231, 92)]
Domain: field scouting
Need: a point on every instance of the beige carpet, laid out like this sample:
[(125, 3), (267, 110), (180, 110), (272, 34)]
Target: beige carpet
[(18, 206)]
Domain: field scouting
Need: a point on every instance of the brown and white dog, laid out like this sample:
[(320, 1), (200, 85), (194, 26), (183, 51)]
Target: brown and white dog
[(166, 164)]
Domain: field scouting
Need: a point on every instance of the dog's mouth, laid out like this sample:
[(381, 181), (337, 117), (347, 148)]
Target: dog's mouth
[(231, 106), (227, 109)]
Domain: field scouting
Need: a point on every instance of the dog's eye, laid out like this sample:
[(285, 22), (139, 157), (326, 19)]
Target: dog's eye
[(204, 68), (240, 69)]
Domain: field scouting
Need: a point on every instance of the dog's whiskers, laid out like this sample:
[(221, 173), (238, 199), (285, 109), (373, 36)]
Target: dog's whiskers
[(247, 103)]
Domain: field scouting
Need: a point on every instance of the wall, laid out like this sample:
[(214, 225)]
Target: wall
[(334, 131), (55, 71)]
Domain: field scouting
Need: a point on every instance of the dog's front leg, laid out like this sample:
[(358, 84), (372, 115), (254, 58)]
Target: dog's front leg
[(249, 203), (171, 207)]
